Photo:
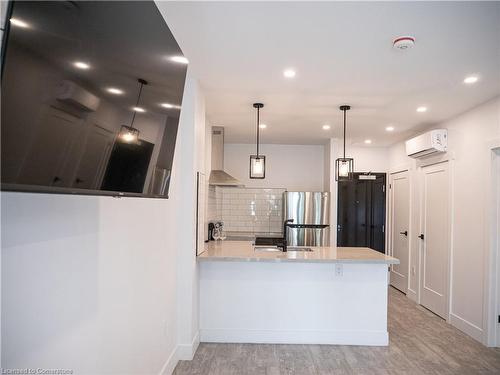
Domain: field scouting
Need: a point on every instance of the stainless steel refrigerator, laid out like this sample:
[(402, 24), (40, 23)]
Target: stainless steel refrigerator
[(310, 212)]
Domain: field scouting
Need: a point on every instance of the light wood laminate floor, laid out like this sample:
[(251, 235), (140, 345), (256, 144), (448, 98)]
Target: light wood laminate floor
[(420, 343)]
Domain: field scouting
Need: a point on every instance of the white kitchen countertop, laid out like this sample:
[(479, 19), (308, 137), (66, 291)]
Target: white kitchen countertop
[(243, 251)]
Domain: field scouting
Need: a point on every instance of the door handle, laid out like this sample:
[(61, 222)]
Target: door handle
[(421, 236), (405, 233)]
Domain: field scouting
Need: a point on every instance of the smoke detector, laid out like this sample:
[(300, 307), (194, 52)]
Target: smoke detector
[(403, 42)]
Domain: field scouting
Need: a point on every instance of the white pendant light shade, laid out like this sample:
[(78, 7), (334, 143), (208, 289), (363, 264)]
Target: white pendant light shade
[(257, 166)]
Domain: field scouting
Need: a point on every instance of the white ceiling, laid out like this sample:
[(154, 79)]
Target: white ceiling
[(342, 53)]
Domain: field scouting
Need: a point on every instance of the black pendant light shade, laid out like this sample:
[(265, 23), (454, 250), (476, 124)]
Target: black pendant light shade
[(344, 167), (130, 134), (258, 162)]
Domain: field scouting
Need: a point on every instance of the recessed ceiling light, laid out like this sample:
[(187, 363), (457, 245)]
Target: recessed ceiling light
[(262, 126), (179, 59), (326, 127), (81, 65), (289, 73), (19, 23), (114, 90), (368, 141), (471, 79), (422, 109), (389, 128), (138, 109)]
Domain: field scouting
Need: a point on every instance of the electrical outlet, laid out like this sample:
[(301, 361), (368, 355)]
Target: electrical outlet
[(339, 269)]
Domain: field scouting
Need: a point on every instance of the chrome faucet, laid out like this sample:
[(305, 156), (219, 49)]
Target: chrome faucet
[(284, 243)]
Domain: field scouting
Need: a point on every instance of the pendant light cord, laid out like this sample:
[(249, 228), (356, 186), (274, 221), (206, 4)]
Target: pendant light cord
[(136, 104), (344, 131), (258, 120)]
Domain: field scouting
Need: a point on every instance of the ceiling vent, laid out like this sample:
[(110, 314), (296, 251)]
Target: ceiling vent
[(427, 144)]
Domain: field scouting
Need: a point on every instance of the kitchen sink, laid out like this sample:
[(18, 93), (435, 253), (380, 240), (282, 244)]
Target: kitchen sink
[(266, 248), (275, 248), (268, 241), (275, 244)]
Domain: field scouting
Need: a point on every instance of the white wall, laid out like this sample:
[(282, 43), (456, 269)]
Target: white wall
[(192, 138), (327, 175), (470, 136), (104, 285), (88, 283), (367, 159), (295, 167)]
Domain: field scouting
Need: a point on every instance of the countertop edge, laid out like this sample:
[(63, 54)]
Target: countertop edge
[(291, 260)]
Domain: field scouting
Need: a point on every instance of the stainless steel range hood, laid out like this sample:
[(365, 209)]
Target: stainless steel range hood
[(217, 176)]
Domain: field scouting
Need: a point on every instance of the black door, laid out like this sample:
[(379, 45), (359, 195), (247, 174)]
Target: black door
[(128, 166), (361, 212)]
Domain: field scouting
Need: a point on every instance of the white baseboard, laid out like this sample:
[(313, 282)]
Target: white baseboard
[(185, 352), (463, 325), (369, 338), (170, 363)]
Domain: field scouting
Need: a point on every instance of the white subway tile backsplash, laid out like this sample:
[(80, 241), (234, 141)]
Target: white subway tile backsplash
[(249, 210)]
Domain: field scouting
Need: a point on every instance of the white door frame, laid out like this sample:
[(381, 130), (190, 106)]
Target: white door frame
[(445, 158), (492, 258)]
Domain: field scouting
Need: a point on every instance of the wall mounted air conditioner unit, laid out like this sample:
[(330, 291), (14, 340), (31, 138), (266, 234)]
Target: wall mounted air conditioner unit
[(69, 92), (432, 142)]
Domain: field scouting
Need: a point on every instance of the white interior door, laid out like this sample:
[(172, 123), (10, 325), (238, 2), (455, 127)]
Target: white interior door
[(400, 220), (435, 238), (54, 140), (94, 158)]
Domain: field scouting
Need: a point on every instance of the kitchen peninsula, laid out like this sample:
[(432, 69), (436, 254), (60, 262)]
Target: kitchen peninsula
[(325, 296)]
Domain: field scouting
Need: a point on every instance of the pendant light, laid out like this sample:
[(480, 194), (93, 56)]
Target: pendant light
[(258, 162), (344, 167), (130, 134)]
